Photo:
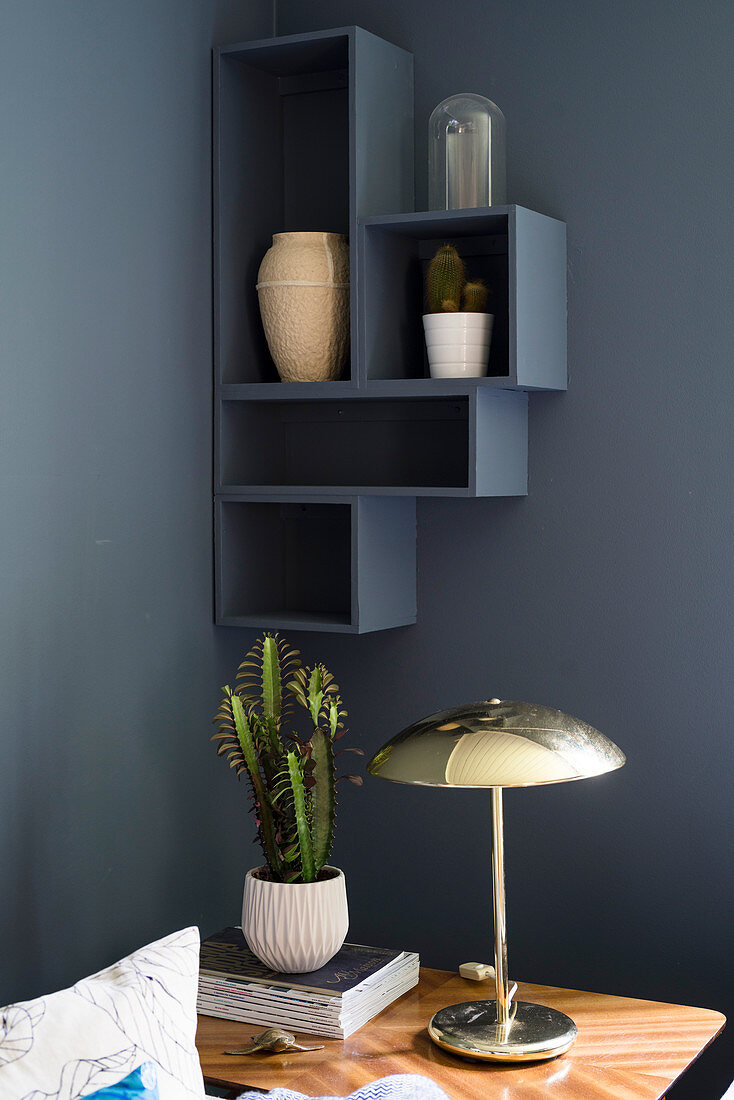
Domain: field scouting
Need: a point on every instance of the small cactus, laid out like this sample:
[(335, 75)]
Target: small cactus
[(475, 296), (446, 286), (445, 280)]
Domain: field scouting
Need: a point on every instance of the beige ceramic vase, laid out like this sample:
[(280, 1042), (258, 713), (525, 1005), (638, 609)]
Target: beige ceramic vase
[(303, 288)]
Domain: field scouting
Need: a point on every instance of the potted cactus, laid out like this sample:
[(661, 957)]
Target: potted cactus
[(294, 912), (458, 330)]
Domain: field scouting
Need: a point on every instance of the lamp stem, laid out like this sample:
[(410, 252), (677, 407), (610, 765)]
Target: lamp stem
[(500, 917)]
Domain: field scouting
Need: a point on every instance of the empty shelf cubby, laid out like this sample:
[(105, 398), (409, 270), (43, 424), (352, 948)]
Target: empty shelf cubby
[(470, 445), (344, 564)]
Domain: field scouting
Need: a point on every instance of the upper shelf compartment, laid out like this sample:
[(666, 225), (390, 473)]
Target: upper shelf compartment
[(286, 159), (520, 254)]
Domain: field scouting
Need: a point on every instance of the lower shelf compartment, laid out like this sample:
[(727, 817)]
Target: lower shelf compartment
[(313, 563)]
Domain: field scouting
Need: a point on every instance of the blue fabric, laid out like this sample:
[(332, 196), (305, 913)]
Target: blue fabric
[(141, 1084), (401, 1086)]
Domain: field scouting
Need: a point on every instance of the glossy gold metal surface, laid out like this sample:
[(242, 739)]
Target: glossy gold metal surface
[(274, 1039), (532, 1034), (495, 743), (501, 978)]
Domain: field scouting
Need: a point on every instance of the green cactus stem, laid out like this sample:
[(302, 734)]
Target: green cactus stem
[(315, 694), (266, 827), (475, 296), (323, 796), (445, 280), (308, 867), (271, 684)]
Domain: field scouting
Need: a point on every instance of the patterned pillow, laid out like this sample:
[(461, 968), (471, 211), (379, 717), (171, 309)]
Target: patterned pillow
[(399, 1086), (141, 1084), (143, 1009)]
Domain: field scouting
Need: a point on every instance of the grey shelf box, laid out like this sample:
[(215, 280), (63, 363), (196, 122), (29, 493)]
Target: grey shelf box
[(469, 445), (287, 112), (306, 562), (519, 253)]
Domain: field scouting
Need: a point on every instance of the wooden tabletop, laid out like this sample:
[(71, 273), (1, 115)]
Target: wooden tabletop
[(626, 1049)]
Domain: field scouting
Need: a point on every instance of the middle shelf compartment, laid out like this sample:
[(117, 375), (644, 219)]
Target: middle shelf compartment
[(471, 445)]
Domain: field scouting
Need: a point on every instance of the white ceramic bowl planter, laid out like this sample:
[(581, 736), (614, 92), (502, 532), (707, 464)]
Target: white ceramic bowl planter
[(458, 344), (295, 927)]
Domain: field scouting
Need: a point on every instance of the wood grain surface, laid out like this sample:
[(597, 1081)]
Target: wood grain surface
[(626, 1049)]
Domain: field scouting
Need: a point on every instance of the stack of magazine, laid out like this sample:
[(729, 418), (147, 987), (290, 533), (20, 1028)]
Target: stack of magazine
[(334, 1001)]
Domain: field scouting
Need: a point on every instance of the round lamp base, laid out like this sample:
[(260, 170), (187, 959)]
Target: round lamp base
[(533, 1033)]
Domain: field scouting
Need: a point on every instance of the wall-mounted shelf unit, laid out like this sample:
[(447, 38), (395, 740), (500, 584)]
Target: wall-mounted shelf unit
[(315, 483)]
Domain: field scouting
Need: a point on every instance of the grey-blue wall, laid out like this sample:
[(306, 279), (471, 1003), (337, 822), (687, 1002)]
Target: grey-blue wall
[(109, 828), (607, 592)]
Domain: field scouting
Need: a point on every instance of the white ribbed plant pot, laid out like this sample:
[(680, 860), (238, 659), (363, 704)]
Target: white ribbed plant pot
[(293, 927), (303, 290), (458, 344)]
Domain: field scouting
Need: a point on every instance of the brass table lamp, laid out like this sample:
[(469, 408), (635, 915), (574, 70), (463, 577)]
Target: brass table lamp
[(498, 744)]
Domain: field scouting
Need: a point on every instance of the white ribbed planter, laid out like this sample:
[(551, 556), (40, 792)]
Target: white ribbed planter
[(295, 927), (303, 289), (458, 343)]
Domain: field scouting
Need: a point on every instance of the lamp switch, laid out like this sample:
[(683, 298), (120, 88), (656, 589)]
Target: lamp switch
[(478, 972)]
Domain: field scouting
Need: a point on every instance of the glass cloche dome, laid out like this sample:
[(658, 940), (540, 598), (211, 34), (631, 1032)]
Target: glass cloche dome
[(466, 154)]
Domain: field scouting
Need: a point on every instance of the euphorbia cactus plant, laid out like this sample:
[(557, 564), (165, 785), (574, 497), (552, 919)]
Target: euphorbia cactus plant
[(293, 777)]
